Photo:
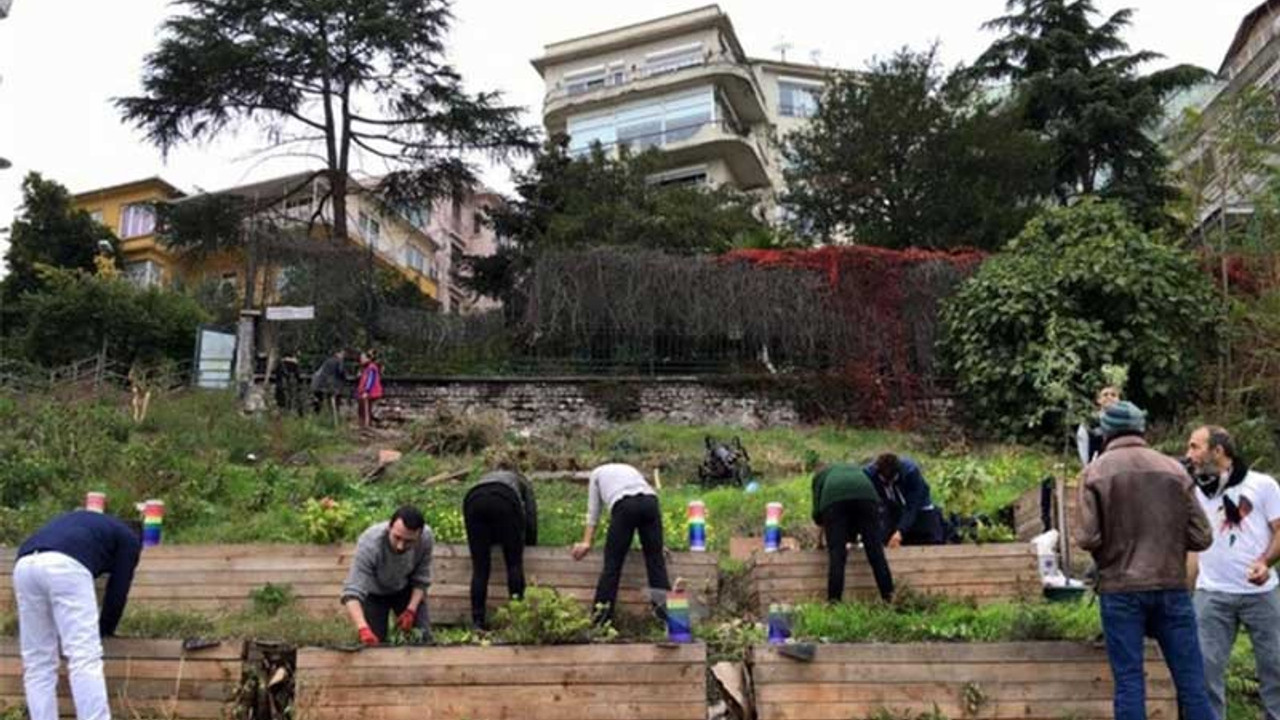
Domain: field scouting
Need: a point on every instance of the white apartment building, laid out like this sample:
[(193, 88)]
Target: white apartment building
[(1252, 60), (684, 84)]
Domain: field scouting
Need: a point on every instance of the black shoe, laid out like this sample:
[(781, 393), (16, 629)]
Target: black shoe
[(659, 612)]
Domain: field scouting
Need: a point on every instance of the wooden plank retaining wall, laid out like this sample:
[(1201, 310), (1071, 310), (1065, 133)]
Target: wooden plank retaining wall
[(987, 573), (211, 578), (997, 681), (569, 682), (145, 678)]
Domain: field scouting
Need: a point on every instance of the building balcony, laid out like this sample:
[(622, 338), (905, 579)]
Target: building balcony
[(715, 140), (735, 79)]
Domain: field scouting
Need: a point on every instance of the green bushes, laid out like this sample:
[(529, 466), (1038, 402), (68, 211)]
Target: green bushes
[(1082, 287), (545, 617), (77, 314)]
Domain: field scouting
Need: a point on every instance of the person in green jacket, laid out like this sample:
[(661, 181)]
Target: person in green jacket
[(845, 504)]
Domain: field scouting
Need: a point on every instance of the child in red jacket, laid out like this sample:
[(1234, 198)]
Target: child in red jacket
[(369, 387)]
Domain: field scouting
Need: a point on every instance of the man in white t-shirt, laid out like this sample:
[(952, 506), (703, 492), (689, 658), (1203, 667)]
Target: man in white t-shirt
[(1236, 583)]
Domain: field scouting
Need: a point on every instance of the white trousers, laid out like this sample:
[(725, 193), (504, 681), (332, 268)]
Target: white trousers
[(57, 604)]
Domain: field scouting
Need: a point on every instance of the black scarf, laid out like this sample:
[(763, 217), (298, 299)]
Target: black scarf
[(1209, 485)]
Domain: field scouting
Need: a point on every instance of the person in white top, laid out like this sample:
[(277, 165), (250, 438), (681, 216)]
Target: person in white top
[(1089, 434), (633, 510), (1236, 584)]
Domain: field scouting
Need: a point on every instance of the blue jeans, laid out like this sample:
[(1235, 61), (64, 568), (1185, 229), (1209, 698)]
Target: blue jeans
[(1169, 617)]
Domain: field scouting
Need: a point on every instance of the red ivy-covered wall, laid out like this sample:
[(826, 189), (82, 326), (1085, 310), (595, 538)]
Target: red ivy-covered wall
[(889, 302)]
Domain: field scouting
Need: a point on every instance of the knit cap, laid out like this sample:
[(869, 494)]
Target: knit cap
[(1121, 417)]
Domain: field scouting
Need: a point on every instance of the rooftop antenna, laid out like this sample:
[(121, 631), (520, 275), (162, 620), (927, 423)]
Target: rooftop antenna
[(782, 47)]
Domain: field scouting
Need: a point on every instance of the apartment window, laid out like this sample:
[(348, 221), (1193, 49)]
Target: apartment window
[(656, 122), (370, 228), (415, 215), (477, 222), (798, 98), (414, 259), (143, 274), (672, 59), (594, 78), (137, 220), (683, 177), (96, 216), (298, 206)]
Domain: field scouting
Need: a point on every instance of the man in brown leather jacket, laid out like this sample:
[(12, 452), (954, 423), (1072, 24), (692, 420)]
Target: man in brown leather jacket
[(1139, 519)]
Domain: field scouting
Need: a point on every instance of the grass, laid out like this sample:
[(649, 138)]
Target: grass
[(227, 478), (912, 619)]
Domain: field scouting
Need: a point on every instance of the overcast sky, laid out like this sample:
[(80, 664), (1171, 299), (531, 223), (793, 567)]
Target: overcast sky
[(62, 60)]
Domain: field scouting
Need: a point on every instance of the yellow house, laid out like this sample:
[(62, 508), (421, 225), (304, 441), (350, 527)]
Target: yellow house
[(397, 239), (128, 210)]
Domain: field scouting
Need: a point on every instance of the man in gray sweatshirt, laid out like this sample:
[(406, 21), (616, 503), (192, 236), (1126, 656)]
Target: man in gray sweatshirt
[(390, 575)]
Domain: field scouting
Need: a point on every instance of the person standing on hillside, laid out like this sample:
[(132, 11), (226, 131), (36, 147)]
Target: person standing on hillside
[(327, 383), (1139, 517), (58, 608), (389, 575), (845, 504), (368, 387), (499, 509), (1089, 433), (1236, 584), (633, 510)]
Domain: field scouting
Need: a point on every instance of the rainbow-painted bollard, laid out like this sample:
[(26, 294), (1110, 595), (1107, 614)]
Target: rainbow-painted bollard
[(772, 526), (152, 519), (679, 622), (697, 518), (95, 502)]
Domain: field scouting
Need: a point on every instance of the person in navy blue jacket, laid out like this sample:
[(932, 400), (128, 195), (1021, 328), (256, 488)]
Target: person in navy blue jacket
[(913, 518), (53, 583)]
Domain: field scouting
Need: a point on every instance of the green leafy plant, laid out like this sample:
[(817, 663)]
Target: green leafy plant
[(545, 617), (325, 520), (961, 486), (270, 599), (974, 698), (1080, 288)]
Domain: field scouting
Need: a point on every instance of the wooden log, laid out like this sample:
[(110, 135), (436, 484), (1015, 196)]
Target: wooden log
[(223, 578), (145, 678), (985, 573), (1028, 680), (571, 682)]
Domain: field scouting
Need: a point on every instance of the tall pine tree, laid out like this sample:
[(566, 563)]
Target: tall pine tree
[(1076, 82)]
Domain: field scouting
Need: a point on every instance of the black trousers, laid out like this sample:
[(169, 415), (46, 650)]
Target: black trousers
[(493, 516), (378, 608), (927, 529), (635, 514), (840, 523)]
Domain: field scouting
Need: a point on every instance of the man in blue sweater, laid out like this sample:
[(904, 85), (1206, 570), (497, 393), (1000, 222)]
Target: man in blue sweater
[(53, 582), (913, 518)]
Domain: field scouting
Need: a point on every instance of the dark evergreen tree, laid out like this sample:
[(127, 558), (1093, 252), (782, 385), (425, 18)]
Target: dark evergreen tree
[(902, 155), (1077, 83), (50, 232), (597, 200), (336, 80)]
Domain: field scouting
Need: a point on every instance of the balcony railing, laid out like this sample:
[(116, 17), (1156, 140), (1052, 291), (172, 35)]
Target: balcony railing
[(636, 72), (664, 137)]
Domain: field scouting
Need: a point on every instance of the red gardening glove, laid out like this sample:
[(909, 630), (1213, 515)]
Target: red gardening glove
[(367, 637), (405, 621)]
